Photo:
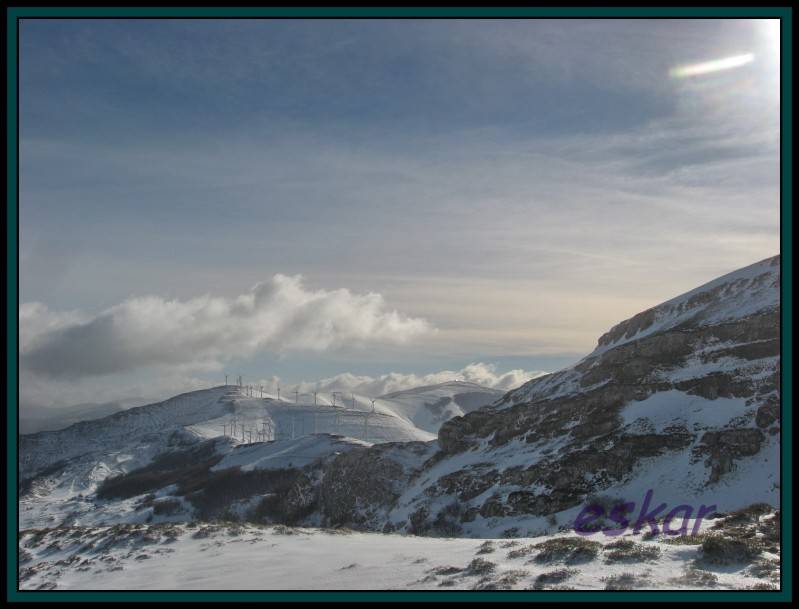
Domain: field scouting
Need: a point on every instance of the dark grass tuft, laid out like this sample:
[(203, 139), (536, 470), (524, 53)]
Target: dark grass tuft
[(570, 550), (627, 551), (553, 577)]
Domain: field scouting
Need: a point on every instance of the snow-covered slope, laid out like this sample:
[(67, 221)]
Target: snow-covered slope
[(210, 413), (683, 398), (425, 408), (290, 453), (74, 461), (130, 435), (430, 406)]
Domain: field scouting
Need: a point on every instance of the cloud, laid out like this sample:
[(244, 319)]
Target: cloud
[(480, 373), (202, 333), (36, 321)]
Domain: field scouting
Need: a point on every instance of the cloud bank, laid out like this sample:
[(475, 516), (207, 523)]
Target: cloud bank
[(201, 333), (480, 373)]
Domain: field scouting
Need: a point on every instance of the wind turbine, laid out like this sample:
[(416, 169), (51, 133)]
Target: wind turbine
[(366, 422)]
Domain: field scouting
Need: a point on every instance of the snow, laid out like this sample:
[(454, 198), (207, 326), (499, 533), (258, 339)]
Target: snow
[(428, 407), (237, 557), (670, 408), (291, 453), (551, 386)]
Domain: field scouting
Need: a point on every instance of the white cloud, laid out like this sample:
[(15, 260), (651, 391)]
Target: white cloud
[(36, 321), (202, 333), (480, 373)]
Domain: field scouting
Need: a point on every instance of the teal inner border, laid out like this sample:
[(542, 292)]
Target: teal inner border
[(13, 14)]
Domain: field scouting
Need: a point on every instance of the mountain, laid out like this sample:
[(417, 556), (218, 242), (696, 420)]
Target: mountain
[(677, 407), (681, 400), (57, 466)]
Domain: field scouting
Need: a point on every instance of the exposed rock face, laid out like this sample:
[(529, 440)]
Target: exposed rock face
[(357, 488), (723, 447)]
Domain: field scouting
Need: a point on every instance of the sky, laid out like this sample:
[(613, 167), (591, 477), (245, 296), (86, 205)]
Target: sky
[(296, 200)]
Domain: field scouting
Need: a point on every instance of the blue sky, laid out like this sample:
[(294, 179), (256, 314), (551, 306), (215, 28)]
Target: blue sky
[(510, 188)]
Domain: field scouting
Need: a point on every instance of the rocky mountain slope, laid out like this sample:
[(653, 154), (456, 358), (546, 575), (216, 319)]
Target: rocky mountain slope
[(682, 398)]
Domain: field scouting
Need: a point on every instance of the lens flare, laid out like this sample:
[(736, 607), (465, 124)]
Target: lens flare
[(708, 67)]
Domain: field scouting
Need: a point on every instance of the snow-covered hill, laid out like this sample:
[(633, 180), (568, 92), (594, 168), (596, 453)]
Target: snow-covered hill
[(425, 408), (430, 406), (61, 470), (74, 461)]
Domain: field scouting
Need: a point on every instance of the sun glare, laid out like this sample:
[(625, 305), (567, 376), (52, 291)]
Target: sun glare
[(708, 67), (770, 31)]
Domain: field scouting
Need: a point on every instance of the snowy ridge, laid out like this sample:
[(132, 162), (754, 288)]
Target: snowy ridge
[(207, 413), (744, 292), (40, 450)]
